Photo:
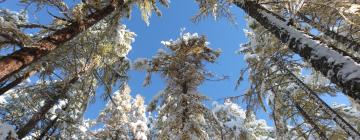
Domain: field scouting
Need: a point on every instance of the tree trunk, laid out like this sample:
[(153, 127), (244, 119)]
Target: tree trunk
[(40, 115), (337, 37), (307, 118), (278, 119), (48, 127), (51, 125), (343, 71), (17, 81), (22, 58), (351, 131)]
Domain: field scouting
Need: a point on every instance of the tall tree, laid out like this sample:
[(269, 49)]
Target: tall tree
[(182, 114), (92, 60), (267, 77), (60, 91), (83, 16), (240, 124), (124, 118), (341, 70)]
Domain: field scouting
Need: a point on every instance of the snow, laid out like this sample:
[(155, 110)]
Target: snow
[(183, 37), (2, 100), (234, 119), (353, 9), (350, 70), (348, 110), (7, 131), (248, 56), (124, 38), (251, 35), (8, 18), (166, 43)]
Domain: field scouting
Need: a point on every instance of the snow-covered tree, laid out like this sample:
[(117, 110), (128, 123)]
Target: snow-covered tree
[(181, 112), (88, 62), (70, 22), (237, 124), (327, 58), (123, 117), (339, 66)]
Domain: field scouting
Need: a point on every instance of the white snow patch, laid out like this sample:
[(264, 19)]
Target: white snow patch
[(7, 131), (353, 9)]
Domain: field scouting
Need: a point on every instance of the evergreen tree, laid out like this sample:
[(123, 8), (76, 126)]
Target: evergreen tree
[(123, 118), (339, 66), (62, 30), (182, 114), (240, 125)]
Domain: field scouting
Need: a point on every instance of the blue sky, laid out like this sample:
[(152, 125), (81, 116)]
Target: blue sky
[(221, 34)]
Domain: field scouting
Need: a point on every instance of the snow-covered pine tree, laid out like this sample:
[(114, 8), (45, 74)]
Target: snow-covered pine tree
[(91, 61), (139, 127), (182, 114), (268, 80), (71, 22), (123, 117), (236, 124), (341, 70), (339, 66), (334, 19)]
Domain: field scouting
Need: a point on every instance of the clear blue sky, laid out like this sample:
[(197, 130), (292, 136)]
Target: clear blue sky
[(221, 34)]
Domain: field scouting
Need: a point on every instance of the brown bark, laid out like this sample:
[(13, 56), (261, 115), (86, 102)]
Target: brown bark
[(22, 58)]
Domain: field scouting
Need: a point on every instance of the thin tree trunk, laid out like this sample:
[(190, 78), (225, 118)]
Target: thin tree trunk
[(342, 71), (40, 115), (52, 132), (307, 118), (278, 120), (351, 131), (51, 124), (22, 58), (339, 38), (17, 81), (48, 127), (24, 130)]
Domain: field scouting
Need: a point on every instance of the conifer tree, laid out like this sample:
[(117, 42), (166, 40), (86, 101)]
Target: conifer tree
[(182, 114), (63, 29), (238, 125), (339, 66), (123, 118)]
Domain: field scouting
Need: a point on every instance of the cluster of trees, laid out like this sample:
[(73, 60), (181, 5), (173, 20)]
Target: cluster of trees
[(298, 50)]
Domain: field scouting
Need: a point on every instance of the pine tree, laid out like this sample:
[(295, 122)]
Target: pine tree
[(339, 66), (91, 68), (124, 117), (63, 29), (182, 114), (238, 125)]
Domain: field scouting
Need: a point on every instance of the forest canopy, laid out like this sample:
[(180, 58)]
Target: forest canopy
[(59, 57)]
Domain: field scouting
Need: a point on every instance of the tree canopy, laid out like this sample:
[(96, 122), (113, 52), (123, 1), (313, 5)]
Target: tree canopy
[(298, 51)]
